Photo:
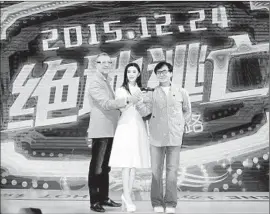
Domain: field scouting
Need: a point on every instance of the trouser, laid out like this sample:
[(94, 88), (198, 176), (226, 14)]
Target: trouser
[(98, 177), (172, 163)]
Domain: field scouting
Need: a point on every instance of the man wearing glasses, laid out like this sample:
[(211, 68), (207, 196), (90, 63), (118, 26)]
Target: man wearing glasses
[(103, 121), (171, 110)]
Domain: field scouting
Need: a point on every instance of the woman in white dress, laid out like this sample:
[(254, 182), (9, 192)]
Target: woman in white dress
[(130, 150)]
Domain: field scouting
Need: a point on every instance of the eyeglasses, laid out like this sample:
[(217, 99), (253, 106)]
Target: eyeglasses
[(163, 72), (104, 62)]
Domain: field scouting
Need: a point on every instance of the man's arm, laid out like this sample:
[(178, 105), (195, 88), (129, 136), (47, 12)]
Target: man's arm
[(99, 94), (186, 106)]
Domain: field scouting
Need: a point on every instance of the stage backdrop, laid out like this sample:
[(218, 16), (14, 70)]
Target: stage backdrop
[(220, 54)]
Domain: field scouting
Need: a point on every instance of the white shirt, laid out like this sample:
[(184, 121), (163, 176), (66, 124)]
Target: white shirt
[(166, 89)]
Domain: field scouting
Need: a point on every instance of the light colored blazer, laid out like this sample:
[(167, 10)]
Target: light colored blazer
[(104, 113), (170, 113)]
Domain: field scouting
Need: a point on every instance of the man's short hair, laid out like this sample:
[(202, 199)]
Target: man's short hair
[(161, 64), (102, 54)]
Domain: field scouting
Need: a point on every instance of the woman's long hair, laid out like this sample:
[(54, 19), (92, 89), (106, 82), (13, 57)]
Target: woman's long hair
[(138, 80)]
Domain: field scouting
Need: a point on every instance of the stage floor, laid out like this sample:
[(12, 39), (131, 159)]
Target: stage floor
[(77, 202)]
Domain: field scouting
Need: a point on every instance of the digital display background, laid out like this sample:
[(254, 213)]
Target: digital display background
[(220, 54)]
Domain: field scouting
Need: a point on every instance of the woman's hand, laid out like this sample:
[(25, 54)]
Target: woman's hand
[(138, 96), (134, 99)]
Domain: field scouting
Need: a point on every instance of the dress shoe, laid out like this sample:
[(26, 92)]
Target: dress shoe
[(111, 203), (170, 210), (159, 209), (97, 207)]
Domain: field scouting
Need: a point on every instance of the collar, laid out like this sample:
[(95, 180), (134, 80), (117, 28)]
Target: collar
[(165, 86), (171, 87), (101, 76)]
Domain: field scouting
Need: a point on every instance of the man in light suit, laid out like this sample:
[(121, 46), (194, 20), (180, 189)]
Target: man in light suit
[(103, 121)]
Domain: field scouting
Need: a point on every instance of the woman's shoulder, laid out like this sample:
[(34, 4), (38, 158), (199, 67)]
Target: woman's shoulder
[(121, 88), (120, 91)]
